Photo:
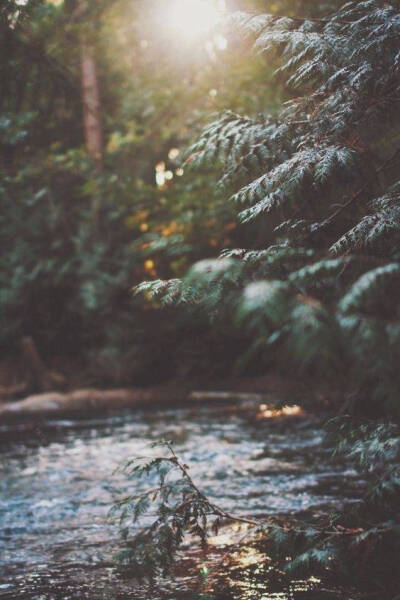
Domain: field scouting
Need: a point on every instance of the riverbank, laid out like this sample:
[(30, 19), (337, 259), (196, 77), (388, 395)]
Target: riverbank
[(268, 390)]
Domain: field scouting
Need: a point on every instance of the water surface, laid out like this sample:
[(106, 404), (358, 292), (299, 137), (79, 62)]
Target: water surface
[(58, 482)]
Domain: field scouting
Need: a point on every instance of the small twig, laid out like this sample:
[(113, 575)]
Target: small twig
[(218, 511)]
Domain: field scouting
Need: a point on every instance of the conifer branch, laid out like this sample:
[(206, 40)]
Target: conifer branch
[(356, 196)]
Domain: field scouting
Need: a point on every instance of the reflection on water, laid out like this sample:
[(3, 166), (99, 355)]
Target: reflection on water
[(58, 482)]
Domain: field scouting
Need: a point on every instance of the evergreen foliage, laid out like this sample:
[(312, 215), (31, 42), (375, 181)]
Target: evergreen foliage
[(319, 186), (360, 543), (179, 508), (318, 289)]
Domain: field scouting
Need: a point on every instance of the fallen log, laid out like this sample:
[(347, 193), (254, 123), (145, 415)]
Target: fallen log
[(218, 396), (57, 403)]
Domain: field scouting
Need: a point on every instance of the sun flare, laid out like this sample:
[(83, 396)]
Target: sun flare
[(193, 18)]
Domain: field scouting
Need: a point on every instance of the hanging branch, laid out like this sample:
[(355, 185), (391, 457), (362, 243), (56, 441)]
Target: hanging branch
[(179, 507)]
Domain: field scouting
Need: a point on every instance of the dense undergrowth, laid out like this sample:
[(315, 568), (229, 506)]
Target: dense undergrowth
[(78, 237)]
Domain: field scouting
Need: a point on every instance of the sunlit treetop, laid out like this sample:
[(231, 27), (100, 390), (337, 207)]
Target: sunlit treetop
[(191, 19)]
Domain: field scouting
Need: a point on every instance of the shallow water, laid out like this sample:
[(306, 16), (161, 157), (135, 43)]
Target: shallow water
[(58, 482)]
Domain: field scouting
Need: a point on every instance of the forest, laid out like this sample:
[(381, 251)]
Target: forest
[(199, 299)]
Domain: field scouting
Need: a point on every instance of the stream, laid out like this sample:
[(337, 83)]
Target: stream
[(58, 482)]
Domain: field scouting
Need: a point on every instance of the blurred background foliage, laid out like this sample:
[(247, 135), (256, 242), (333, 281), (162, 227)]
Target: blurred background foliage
[(77, 234), (66, 272)]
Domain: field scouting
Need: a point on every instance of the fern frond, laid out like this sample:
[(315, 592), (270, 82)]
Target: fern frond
[(168, 292), (380, 229), (297, 180), (227, 138), (317, 273)]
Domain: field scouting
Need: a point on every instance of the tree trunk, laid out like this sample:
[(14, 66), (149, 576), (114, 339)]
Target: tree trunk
[(91, 103), (92, 119), (37, 375)]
